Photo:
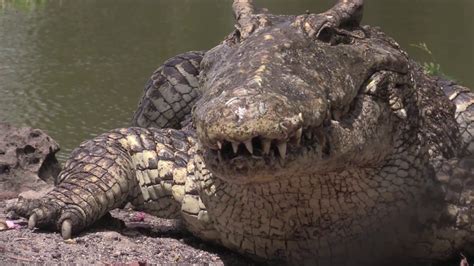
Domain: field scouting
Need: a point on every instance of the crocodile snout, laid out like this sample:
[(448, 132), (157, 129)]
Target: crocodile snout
[(256, 124)]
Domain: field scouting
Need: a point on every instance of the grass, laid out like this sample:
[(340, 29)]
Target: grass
[(431, 67), (23, 5)]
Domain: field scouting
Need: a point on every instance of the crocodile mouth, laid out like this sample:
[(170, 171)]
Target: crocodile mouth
[(271, 150), (263, 157)]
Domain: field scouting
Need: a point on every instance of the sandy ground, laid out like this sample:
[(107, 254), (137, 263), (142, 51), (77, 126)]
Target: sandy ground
[(150, 241)]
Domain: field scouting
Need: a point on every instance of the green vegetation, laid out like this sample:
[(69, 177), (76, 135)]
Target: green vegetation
[(23, 5), (431, 67)]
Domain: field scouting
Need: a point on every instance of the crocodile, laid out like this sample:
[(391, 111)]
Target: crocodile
[(299, 138)]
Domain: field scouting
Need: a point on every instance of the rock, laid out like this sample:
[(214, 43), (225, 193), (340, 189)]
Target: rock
[(3, 225), (4, 195), (111, 236), (36, 194), (27, 159)]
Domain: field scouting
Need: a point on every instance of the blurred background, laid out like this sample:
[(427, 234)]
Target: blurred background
[(77, 68)]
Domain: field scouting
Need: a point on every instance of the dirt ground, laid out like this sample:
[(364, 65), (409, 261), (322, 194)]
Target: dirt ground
[(124, 238), (148, 241)]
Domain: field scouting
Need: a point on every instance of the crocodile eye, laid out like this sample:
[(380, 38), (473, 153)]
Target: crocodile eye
[(333, 36), (326, 35), (235, 36), (237, 33)]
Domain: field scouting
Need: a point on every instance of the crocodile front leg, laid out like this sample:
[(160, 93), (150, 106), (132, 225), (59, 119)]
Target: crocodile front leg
[(170, 93), (147, 167)]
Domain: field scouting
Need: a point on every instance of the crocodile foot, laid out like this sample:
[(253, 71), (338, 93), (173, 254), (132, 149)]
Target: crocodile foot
[(49, 214)]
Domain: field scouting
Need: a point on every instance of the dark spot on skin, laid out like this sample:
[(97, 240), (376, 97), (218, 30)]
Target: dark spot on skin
[(152, 164), (29, 149), (189, 68), (33, 160), (4, 169), (35, 134), (326, 35), (156, 81)]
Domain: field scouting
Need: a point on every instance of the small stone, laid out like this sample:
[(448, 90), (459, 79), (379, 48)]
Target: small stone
[(32, 194), (70, 241), (3, 226), (442, 177), (138, 217), (112, 236)]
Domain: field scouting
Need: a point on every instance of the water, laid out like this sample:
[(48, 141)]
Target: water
[(77, 68)]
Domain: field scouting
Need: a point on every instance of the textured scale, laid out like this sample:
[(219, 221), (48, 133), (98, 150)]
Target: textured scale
[(170, 93), (463, 98)]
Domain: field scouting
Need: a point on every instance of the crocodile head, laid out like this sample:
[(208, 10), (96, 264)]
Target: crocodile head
[(290, 95)]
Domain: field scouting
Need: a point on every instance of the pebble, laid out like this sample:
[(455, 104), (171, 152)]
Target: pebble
[(112, 236), (3, 225)]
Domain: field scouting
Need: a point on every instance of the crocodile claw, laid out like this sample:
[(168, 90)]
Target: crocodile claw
[(48, 214), (51, 216), (66, 229), (32, 221)]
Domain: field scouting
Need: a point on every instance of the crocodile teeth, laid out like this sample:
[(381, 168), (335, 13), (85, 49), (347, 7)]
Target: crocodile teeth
[(299, 132), (248, 145), (266, 143), (282, 149), (235, 146)]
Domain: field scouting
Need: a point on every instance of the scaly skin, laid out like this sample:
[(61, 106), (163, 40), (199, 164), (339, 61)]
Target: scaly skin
[(146, 167), (170, 93), (311, 140)]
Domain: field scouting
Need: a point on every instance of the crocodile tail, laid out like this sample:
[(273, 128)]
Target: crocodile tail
[(170, 93)]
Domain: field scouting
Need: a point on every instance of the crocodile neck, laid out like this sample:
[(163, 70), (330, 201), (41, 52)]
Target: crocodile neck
[(308, 215)]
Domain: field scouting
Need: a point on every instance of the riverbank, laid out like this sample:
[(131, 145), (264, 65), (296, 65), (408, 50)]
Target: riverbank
[(28, 168)]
